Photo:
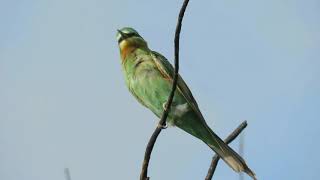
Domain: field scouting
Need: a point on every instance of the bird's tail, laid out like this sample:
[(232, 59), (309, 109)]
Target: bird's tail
[(233, 159), (203, 132)]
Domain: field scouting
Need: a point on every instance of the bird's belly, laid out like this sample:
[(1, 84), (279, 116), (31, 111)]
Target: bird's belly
[(154, 91)]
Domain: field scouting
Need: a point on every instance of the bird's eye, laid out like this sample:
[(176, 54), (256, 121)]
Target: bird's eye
[(131, 34), (128, 35)]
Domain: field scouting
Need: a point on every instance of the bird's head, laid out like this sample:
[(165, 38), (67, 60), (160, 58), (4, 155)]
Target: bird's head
[(128, 40)]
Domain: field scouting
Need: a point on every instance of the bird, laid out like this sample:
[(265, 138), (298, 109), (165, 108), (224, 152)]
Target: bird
[(149, 77)]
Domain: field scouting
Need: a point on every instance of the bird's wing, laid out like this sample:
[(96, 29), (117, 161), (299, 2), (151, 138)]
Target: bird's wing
[(167, 71)]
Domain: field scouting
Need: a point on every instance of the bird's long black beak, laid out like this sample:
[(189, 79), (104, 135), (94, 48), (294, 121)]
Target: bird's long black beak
[(123, 36)]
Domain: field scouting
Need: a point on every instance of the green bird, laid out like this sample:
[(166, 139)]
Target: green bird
[(149, 77)]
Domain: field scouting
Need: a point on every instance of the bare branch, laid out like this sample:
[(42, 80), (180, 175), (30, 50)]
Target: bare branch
[(162, 122), (228, 140)]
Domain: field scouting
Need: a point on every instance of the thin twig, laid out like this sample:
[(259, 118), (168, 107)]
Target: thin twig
[(162, 122), (67, 173), (228, 140)]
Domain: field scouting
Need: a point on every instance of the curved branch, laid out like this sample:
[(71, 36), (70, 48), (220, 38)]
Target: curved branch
[(162, 122), (228, 140)]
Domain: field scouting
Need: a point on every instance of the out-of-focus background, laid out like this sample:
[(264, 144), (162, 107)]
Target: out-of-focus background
[(63, 100)]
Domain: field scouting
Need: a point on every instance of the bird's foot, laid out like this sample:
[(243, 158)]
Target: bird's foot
[(165, 105), (163, 126)]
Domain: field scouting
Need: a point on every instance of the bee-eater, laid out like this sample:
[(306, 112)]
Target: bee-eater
[(149, 77)]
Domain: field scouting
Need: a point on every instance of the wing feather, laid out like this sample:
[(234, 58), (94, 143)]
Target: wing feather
[(167, 71)]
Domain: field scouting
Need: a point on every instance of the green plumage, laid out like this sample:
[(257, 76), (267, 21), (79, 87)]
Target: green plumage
[(149, 77)]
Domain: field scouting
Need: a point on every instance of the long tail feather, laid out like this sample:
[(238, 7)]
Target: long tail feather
[(191, 124), (233, 159)]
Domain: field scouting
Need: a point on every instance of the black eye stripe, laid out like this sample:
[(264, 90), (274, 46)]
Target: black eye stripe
[(129, 35)]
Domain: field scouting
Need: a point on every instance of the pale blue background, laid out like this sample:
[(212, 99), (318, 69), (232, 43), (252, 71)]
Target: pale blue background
[(63, 101)]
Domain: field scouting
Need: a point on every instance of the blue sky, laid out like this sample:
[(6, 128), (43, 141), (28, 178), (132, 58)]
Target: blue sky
[(63, 101)]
